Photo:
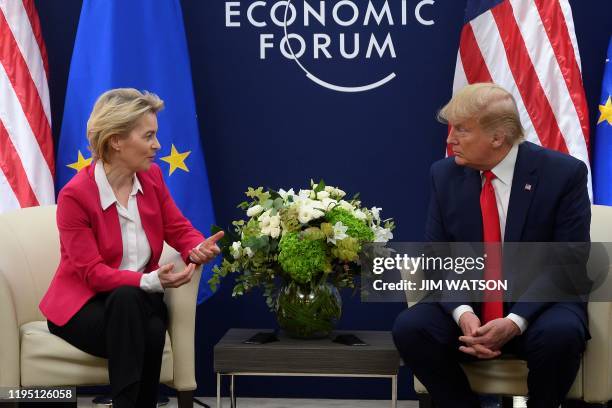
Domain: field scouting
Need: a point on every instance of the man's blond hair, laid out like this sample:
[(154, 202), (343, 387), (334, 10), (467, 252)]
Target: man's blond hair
[(490, 105)]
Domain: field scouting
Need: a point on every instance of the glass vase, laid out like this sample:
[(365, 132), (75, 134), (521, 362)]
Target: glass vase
[(308, 311)]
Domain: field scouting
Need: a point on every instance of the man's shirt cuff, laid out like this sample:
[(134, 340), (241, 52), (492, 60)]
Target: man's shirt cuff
[(521, 322), (150, 282), (459, 310)]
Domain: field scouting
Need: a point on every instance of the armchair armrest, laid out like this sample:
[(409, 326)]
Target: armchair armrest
[(9, 338), (597, 358), (181, 303), (411, 298)]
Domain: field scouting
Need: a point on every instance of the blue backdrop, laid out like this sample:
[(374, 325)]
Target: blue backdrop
[(263, 122)]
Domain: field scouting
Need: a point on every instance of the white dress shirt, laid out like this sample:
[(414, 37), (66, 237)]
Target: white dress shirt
[(502, 184), (136, 248)]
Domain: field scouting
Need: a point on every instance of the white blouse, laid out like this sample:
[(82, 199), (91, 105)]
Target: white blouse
[(136, 248)]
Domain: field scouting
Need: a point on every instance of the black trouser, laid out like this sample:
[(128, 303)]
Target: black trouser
[(428, 340), (128, 327)]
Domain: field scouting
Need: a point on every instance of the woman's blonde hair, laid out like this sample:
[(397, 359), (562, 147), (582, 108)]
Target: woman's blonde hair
[(116, 112), (492, 106)]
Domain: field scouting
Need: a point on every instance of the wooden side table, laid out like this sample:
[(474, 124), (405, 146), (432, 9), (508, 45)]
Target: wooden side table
[(292, 357)]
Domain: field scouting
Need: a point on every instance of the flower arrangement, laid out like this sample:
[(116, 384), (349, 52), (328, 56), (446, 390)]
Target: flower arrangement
[(312, 237)]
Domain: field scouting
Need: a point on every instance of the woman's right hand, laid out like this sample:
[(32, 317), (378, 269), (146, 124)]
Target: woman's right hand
[(169, 279)]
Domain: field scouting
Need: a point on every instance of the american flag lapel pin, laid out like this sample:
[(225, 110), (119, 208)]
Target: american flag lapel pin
[(527, 187)]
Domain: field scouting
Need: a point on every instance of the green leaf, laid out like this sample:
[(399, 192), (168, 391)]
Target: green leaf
[(226, 242), (258, 194), (214, 229), (320, 186), (267, 204), (256, 243), (252, 193), (238, 290), (274, 194)]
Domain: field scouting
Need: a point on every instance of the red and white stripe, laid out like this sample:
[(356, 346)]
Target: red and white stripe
[(529, 47), (27, 164)]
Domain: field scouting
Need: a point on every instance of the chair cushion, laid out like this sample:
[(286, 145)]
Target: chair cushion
[(503, 376), (50, 361)]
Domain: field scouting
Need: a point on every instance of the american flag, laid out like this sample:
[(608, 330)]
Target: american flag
[(529, 47), (26, 146)]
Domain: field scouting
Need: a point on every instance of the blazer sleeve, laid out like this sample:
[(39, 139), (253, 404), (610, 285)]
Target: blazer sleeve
[(436, 232), (573, 220), (179, 233), (434, 224), (572, 224), (81, 248)]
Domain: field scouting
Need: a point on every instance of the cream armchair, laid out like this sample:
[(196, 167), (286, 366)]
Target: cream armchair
[(593, 384), (30, 355)]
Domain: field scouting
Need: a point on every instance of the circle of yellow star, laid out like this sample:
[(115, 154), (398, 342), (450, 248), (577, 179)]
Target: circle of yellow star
[(80, 163), (176, 160), (606, 112)]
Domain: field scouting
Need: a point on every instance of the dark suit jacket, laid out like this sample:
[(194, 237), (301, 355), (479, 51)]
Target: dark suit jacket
[(556, 208)]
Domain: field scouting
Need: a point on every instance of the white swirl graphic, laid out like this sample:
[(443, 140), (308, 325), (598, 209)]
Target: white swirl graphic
[(325, 84)]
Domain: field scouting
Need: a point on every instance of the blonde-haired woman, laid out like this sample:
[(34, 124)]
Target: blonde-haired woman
[(106, 297)]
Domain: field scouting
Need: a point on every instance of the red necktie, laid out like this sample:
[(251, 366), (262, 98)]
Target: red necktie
[(492, 306)]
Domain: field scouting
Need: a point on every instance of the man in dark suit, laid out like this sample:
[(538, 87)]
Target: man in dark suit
[(497, 187)]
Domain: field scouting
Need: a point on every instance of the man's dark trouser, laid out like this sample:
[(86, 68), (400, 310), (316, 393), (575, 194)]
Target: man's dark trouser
[(128, 327), (427, 339)]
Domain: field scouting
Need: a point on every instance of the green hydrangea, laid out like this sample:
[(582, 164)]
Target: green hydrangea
[(347, 250), (289, 219), (356, 228), (301, 258)]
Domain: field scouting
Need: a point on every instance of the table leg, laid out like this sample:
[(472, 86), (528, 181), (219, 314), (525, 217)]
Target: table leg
[(394, 391), (232, 392), (218, 390)]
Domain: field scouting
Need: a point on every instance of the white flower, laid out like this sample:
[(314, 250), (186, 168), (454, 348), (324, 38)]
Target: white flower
[(322, 194), (346, 205), (376, 213), (249, 252), (360, 215), (275, 232), (308, 212), (305, 214), (275, 221), (254, 210), (339, 233), (336, 192), (264, 218), (304, 193), (381, 234), (317, 205), (236, 249), (286, 194), (327, 204), (270, 225)]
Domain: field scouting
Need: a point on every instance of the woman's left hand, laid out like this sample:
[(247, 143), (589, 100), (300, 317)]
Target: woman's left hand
[(207, 250)]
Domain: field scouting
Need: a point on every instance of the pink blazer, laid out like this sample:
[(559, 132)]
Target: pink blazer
[(91, 245)]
